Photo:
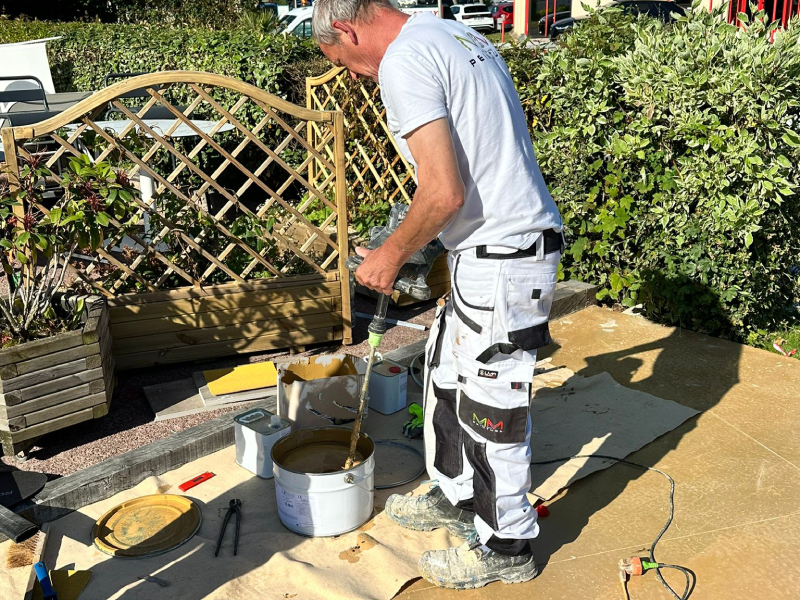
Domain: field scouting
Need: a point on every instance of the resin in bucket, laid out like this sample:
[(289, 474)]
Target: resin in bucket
[(316, 495)]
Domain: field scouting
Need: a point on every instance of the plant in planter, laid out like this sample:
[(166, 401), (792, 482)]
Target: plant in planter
[(37, 245), (56, 367)]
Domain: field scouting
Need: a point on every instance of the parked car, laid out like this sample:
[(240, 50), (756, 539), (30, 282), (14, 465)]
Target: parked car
[(476, 16), (552, 18), (271, 7), (658, 9), (411, 7), (499, 11), (297, 22)]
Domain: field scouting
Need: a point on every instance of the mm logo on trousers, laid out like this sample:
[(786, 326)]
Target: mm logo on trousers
[(487, 424)]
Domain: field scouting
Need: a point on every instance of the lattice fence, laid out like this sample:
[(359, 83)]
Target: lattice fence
[(227, 191), (376, 171)]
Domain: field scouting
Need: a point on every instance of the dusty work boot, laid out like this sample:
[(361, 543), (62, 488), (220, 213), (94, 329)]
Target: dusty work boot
[(472, 565), (430, 511)]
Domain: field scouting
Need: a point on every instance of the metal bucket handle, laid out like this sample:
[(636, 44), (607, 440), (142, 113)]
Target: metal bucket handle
[(350, 479)]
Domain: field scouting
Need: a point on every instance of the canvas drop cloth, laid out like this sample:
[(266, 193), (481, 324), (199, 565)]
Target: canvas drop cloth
[(573, 415), (570, 415), (272, 563)]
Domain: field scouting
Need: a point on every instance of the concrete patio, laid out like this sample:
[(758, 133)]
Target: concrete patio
[(737, 500)]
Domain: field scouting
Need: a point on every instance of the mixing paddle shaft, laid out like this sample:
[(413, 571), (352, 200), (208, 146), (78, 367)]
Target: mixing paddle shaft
[(376, 330)]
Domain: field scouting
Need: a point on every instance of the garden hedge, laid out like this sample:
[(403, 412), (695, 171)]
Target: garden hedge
[(209, 14), (86, 52), (671, 151)]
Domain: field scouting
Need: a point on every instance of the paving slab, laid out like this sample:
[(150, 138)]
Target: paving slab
[(214, 401), (174, 399), (737, 500)]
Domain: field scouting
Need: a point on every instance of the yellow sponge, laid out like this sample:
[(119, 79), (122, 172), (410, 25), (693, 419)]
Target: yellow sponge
[(241, 378)]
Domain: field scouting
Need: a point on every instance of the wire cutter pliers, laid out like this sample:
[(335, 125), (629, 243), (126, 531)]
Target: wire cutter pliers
[(235, 507)]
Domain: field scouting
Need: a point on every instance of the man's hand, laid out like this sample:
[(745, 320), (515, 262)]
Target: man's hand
[(378, 271)]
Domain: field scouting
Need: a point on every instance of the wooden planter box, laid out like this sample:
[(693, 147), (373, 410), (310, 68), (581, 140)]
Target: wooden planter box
[(438, 280), (198, 323), (56, 382)]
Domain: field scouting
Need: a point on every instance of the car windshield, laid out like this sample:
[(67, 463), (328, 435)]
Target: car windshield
[(456, 10), (285, 22), (474, 9), (494, 8)]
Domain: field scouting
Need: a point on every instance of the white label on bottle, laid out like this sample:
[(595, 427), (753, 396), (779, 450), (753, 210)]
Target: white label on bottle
[(298, 510)]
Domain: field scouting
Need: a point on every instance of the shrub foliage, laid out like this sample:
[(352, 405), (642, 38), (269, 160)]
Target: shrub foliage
[(86, 52), (671, 151)]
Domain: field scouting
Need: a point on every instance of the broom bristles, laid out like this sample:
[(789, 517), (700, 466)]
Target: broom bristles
[(21, 555)]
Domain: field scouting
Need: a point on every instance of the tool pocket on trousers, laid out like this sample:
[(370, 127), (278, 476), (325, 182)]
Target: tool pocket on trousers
[(449, 435), (528, 305), (502, 422), (473, 300)]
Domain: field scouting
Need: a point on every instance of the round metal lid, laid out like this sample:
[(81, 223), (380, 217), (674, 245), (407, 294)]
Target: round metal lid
[(396, 464), (147, 526)]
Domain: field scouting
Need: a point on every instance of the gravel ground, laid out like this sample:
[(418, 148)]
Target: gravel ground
[(129, 424)]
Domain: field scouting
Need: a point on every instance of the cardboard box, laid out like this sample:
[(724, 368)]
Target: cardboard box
[(320, 391)]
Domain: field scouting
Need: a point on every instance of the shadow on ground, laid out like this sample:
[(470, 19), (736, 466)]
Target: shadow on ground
[(712, 372)]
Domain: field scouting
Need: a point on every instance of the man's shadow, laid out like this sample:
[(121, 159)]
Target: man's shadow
[(692, 369)]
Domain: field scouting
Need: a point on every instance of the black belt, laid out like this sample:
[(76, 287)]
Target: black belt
[(553, 242)]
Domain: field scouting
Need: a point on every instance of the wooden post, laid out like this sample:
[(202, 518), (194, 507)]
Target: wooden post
[(12, 168), (12, 164), (341, 223), (312, 179)]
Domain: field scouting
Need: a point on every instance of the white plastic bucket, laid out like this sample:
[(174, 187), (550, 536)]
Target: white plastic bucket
[(323, 504)]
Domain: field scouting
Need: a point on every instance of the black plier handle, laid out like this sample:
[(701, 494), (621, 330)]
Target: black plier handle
[(234, 507)]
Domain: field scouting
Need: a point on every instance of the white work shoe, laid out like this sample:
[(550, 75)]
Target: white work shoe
[(473, 565), (430, 511)]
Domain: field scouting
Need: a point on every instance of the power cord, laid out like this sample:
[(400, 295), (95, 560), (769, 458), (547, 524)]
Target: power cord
[(633, 565), (636, 565)]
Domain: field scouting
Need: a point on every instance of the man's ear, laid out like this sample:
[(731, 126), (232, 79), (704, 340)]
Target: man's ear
[(346, 29)]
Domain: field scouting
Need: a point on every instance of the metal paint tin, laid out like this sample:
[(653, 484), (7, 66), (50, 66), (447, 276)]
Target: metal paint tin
[(319, 504), (255, 432)]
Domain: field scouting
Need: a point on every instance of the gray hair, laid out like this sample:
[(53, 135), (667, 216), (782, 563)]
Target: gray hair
[(328, 11)]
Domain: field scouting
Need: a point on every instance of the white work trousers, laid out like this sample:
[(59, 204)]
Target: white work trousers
[(480, 362)]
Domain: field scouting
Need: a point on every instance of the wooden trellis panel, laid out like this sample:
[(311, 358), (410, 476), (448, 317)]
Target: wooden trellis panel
[(375, 168), (235, 199)]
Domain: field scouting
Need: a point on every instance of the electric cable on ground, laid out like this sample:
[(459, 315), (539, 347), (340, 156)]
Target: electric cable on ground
[(691, 578)]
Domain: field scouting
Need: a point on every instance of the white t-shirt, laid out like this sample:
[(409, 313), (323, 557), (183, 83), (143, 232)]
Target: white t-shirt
[(439, 68)]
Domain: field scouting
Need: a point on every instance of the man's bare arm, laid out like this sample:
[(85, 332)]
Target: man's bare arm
[(439, 196)]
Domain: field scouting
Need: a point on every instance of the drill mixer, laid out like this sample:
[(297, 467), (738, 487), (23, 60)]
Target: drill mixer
[(410, 280)]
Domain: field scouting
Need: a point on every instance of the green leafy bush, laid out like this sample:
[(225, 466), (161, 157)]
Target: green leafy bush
[(671, 151), (87, 52), (672, 154), (210, 14), (36, 244)]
